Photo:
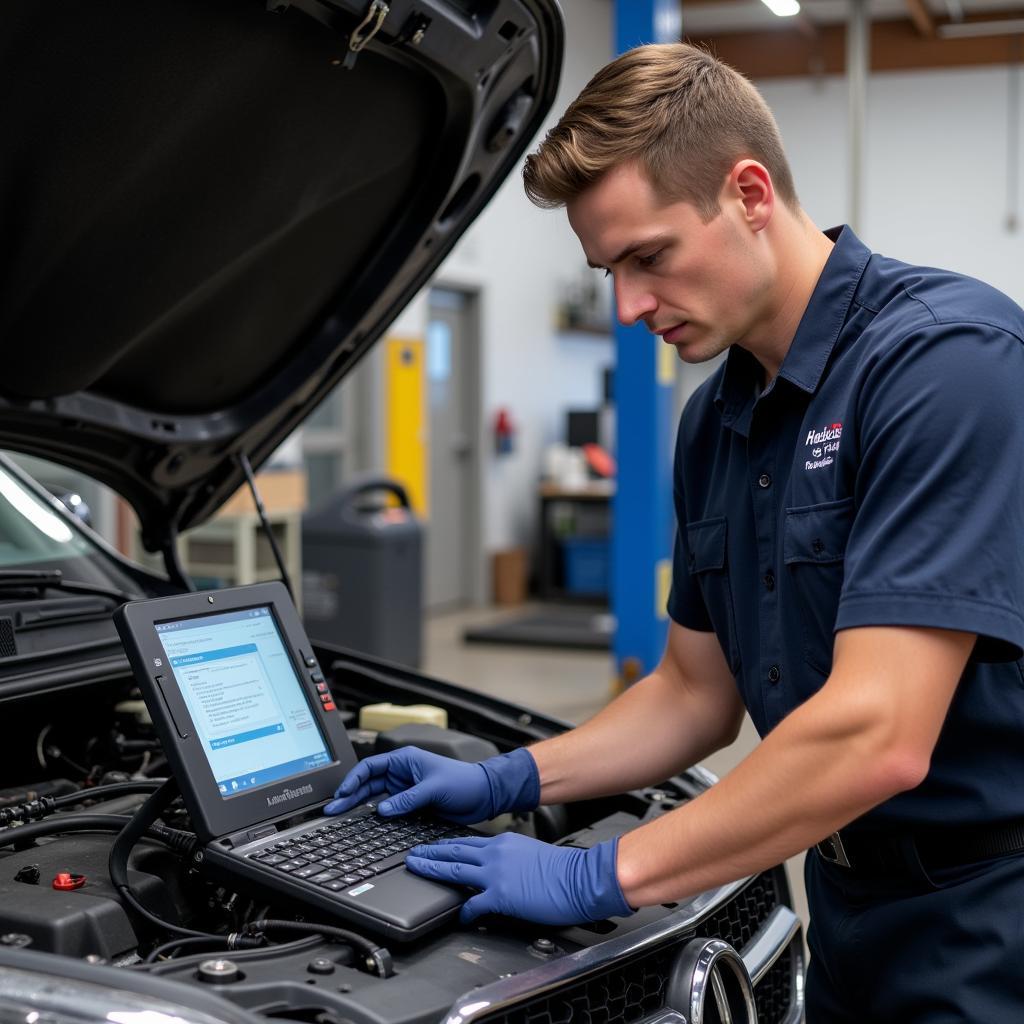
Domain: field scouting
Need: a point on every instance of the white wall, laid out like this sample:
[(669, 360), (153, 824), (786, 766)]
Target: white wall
[(936, 171)]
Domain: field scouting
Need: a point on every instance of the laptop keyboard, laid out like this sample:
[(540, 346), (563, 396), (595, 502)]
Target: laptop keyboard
[(346, 851)]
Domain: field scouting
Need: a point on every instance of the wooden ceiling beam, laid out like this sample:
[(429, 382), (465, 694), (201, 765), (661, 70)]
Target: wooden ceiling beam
[(921, 17), (895, 46), (805, 26)]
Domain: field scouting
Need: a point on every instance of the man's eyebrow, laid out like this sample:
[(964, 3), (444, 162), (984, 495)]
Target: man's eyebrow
[(629, 250)]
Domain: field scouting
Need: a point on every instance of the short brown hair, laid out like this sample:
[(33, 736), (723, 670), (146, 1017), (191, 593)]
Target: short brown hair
[(681, 113)]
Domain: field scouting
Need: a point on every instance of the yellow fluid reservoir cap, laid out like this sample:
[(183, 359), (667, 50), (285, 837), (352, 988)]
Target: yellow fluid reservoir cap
[(382, 717)]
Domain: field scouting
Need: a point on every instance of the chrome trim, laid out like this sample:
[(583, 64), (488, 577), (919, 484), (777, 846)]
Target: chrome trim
[(770, 942), (557, 972), (760, 957), (31, 995), (707, 777), (703, 966), (536, 982), (796, 1005), (665, 1015)]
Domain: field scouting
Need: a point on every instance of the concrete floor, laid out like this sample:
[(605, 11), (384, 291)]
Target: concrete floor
[(571, 685)]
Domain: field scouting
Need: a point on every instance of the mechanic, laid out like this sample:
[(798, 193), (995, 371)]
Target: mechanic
[(849, 568)]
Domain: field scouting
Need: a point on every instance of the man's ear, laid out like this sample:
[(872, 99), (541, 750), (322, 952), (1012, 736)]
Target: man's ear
[(750, 185)]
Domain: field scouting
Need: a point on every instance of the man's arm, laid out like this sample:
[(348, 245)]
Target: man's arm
[(867, 735), (687, 708)]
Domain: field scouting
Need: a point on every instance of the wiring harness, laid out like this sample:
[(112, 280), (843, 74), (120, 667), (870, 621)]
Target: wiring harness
[(43, 806)]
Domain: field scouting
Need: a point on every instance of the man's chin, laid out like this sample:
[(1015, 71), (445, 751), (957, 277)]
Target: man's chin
[(698, 352)]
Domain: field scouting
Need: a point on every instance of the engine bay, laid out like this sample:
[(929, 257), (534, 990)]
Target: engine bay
[(79, 763)]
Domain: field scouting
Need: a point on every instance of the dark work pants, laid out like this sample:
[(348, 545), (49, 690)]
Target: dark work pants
[(918, 950)]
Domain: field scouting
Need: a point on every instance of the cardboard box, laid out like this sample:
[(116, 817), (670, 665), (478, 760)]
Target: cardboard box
[(509, 573), (282, 490)]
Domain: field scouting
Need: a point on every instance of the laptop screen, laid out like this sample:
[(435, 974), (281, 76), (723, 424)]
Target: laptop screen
[(249, 709)]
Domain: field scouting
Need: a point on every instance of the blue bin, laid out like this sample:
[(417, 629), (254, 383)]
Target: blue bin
[(586, 564)]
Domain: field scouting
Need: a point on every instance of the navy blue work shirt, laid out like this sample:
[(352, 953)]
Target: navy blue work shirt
[(878, 480)]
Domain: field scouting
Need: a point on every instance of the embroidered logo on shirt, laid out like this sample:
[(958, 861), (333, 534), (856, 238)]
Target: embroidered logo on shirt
[(823, 445)]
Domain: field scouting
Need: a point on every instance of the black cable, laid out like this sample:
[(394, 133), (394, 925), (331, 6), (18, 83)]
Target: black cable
[(243, 461), (309, 942), (229, 942), (376, 957), (146, 815), (195, 940), (108, 791), (255, 930), (130, 898), (177, 840), (117, 865), (131, 829), (168, 545)]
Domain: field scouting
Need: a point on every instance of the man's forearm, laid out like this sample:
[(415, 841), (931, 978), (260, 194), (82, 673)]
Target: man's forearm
[(649, 733), (853, 745)]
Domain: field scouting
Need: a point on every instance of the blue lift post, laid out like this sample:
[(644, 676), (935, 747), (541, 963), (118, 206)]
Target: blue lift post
[(645, 370)]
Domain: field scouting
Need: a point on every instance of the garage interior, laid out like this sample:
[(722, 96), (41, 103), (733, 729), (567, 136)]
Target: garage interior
[(470, 460)]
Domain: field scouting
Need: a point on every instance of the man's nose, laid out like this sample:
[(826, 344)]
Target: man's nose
[(632, 303)]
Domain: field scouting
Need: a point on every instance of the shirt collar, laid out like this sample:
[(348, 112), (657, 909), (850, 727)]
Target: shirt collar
[(815, 336)]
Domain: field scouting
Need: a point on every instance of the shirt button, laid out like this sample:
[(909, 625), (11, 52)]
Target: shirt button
[(769, 581), (764, 480), (774, 674), (817, 546)]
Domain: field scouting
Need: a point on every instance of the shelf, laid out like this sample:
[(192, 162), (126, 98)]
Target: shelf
[(586, 333), (234, 550)]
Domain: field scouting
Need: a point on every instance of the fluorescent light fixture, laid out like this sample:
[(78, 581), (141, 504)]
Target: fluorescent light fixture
[(969, 29), (783, 8)]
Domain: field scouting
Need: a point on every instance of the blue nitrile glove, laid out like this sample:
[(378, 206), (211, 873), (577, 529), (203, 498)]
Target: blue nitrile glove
[(523, 877), (457, 790)]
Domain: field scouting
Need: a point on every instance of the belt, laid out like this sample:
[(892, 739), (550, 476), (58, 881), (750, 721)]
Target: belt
[(894, 853)]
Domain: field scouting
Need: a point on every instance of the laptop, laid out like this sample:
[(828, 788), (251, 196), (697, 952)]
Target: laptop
[(250, 730)]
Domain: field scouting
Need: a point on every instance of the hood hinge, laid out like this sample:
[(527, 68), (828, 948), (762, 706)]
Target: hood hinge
[(365, 31)]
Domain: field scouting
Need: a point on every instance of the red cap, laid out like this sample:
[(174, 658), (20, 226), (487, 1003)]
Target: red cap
[(66, 881)]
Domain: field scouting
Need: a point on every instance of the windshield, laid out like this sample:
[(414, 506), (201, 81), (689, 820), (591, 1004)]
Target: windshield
[(35, 536), (31, 532)]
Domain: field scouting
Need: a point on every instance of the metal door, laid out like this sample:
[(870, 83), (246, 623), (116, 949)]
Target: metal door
[(452, 531)]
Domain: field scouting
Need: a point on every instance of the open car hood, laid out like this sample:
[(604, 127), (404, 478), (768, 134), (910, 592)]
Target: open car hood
[(212, 208)]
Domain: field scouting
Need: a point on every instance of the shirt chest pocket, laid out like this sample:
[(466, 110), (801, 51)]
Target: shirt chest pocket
[(814, 551), (708, 564)]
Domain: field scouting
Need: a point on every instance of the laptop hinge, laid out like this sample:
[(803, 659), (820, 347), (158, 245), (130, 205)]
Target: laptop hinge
[(269, 828), (249, 835)]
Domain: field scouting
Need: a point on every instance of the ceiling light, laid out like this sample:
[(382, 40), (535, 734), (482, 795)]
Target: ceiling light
[(783, 8)]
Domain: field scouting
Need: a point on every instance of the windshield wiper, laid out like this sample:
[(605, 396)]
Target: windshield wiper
[(53, 579)]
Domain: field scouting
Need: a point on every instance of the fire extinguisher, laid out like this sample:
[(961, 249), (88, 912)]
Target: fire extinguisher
[(504, 432)]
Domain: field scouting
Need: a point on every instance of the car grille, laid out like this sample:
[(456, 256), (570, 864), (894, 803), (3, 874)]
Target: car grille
[(631, 989), (775, 992), (8, 644)]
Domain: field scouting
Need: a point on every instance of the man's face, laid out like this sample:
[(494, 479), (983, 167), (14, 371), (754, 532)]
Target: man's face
[(700, 286)]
